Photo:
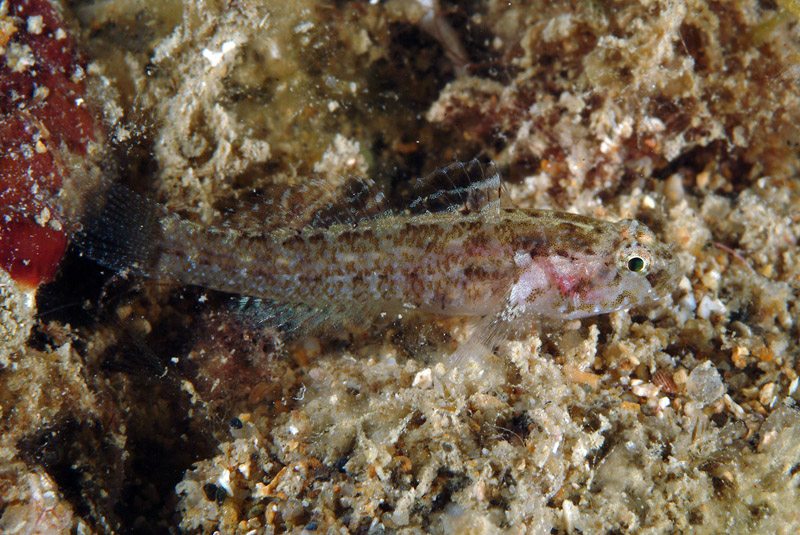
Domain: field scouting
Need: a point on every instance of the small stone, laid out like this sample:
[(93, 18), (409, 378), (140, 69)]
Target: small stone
[(705, 384), (793, 385), (423, 379), (766, 394), (43, 217), (673, 189), (738, 356), (709, 305), (681, 377), (645, 390), (224, 482), (35, 24), (630, 406), (734, 407), (261, 491)]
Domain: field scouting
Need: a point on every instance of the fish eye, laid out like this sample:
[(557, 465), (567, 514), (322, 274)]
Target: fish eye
[(636, 264), (634, 259)]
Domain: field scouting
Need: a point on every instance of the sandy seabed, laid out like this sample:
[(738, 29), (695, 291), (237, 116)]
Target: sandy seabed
[(132, 406)]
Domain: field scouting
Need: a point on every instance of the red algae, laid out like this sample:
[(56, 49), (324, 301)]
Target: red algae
[(44, 120), (30, 253)]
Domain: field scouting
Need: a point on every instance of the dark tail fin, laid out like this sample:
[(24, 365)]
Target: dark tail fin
[(122, 233)]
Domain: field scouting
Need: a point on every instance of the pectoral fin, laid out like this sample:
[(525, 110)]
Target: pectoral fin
[(491, 330)]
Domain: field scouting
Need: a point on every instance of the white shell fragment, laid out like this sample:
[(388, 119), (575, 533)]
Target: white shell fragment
[(705, 384)]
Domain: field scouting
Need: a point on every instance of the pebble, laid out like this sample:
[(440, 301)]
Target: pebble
[(705, 384)]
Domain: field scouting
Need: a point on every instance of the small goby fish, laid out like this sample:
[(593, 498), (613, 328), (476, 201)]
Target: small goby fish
[(453, 251)]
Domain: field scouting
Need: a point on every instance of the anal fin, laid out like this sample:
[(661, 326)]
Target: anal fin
[(295, 320), (291, 319)]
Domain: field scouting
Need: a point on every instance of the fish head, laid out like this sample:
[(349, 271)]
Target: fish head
[(646, 269), (588, 267)]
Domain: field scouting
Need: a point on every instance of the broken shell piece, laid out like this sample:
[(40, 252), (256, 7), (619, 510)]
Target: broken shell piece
[(423, 379), (705, 385)]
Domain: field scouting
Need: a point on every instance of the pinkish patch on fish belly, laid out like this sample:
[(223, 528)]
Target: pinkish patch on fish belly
[(587, 281), (571, 278)]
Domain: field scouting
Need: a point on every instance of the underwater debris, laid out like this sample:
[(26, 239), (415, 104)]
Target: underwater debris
[(704, 384), (789, 9), (45, 513)]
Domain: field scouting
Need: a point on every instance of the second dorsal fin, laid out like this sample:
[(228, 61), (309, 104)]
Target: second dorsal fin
[(465, 187)]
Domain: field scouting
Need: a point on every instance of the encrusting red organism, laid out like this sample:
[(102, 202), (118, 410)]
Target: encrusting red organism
[(44, 120)]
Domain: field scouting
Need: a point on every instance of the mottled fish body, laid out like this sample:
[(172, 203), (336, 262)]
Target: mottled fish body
[(471, 258), (554, 264)]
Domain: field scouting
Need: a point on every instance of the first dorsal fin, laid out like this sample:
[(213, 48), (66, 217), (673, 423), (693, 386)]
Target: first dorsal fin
[(317, 203), (465, 187), (357, 199)]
